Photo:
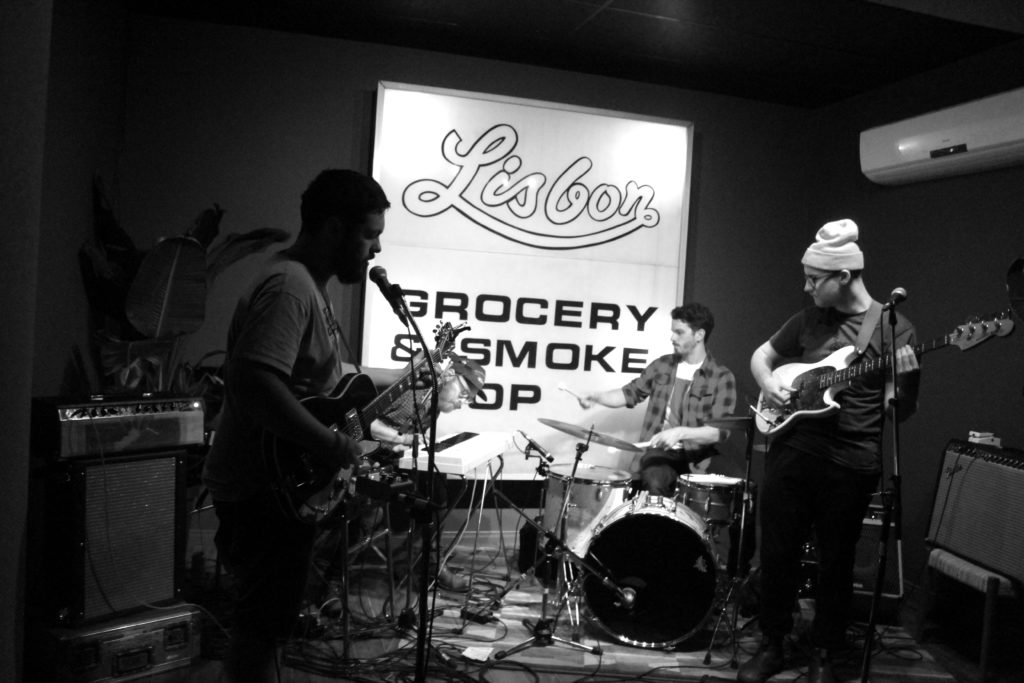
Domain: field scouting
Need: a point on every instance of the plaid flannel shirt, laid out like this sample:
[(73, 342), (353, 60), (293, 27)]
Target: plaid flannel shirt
[(712, 393)]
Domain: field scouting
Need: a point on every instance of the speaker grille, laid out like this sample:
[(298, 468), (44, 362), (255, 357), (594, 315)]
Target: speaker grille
[(978, 512), (129, 528)]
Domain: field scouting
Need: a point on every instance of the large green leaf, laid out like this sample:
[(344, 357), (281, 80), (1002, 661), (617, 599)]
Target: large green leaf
[(168, 295)]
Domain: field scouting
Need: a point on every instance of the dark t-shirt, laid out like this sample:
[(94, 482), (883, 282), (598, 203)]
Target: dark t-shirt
[(852, 436), (284, 322)]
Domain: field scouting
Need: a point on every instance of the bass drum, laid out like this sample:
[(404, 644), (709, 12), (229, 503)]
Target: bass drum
[(657, 548)]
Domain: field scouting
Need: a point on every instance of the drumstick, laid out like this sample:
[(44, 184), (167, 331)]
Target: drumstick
[(562, 387), (642, 444)]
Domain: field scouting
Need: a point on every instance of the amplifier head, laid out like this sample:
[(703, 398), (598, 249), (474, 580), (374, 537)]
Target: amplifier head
[(67, 428)]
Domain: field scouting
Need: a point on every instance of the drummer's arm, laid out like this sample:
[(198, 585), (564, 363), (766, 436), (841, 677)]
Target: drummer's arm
[(700, 436), (611, 398)]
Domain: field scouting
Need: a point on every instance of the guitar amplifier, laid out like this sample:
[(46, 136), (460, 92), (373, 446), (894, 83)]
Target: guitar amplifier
[(978, 511), (106, 536), (68, 428), (865, 566)]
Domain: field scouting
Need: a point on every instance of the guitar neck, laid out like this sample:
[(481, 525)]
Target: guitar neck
[(875, 364), (389, 396)]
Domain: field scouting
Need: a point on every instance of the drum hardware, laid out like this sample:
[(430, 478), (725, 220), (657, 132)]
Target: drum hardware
[(571, 570), (715, 496), (593, 493), (741, 576), (542, 630), (660, 554)]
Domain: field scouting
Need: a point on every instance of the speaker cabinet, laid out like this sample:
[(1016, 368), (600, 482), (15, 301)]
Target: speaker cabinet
[(865, 567), (108, 536), (978, 511)]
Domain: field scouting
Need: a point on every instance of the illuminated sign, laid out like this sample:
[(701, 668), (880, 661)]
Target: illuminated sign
[(556, 233)]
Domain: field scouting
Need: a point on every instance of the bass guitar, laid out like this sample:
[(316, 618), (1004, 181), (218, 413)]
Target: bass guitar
[(816, 385), (307, 489)]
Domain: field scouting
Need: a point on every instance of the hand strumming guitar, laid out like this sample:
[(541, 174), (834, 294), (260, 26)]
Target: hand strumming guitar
[(344, 452)]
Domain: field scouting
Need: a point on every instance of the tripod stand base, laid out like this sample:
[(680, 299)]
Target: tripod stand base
[(542, 637)]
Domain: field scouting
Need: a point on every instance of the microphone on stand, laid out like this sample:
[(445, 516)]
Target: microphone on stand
[(393, 293), (898, 295), (535, 446)]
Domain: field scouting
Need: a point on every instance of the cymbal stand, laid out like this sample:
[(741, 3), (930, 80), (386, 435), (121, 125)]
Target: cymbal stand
[(741, 577), (568, 578), (542, 632)]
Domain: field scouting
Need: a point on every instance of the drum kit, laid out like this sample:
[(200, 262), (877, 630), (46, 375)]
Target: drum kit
[(647, 569)]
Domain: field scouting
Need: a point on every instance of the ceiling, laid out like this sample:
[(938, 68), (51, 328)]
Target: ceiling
[(806, 53)]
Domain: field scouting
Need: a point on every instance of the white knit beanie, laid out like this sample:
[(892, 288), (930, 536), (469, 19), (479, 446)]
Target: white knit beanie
[(835, 247)]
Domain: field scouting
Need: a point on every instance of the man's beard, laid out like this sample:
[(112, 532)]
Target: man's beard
[(353, 273)]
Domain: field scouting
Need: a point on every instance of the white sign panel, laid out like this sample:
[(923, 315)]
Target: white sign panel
[(557, 234)]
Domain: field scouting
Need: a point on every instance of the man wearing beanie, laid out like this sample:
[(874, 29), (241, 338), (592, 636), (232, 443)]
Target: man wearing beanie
[(821, 471)]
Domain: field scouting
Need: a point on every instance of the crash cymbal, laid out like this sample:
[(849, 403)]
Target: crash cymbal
[(730, 422), (589, 435)]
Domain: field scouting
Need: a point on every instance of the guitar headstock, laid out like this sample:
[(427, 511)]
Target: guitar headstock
[(977, 330), (444, 336)]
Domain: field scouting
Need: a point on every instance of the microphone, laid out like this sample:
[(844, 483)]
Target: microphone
[(627, 597), (535, 446), (393, 293), (898, 295)]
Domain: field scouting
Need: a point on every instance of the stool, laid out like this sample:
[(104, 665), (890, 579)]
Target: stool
[(989, 583)]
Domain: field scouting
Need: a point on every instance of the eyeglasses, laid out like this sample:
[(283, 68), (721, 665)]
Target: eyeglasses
[(814, 280)]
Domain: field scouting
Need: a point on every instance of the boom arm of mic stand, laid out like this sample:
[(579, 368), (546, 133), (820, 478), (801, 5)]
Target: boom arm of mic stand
[(606, 579)]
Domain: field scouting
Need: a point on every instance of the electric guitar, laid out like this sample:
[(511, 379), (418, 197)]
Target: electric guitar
[(815, 385), (305, 488)]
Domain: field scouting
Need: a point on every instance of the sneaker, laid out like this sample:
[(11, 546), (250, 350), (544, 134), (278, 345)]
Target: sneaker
[(766, 663)]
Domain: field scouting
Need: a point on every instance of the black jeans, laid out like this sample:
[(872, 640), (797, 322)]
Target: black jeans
[(801, 490), (660, 469), (269, 557)]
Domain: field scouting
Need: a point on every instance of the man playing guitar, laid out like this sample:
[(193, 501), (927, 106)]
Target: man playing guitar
[(284, 344), (822, 472)]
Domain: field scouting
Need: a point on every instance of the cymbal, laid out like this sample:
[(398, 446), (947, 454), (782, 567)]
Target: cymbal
[(589, 434), (730, 422)]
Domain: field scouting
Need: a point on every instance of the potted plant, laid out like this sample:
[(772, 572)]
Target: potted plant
[(145, 303)]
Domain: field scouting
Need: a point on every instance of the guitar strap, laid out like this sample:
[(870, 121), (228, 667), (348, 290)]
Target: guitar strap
[(867, 327)]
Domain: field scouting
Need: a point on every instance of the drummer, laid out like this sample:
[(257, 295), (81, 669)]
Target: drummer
[(686, 388)]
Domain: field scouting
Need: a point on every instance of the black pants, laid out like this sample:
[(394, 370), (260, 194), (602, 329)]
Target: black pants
[(801, 490), (660, 470), (269, 557)]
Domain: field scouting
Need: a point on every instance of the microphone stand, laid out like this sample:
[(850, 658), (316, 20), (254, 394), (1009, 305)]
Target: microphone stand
[(891, 502), (738, 579), (421, 510)]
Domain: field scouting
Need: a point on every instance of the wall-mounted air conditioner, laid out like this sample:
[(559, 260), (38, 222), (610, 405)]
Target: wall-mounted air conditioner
[(976, 136)]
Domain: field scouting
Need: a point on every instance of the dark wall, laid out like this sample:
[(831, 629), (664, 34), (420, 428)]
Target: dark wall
[(949, 243)]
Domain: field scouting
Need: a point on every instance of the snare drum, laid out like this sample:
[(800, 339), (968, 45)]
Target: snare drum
[(657, 548), (595, 491), (712, 496)]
